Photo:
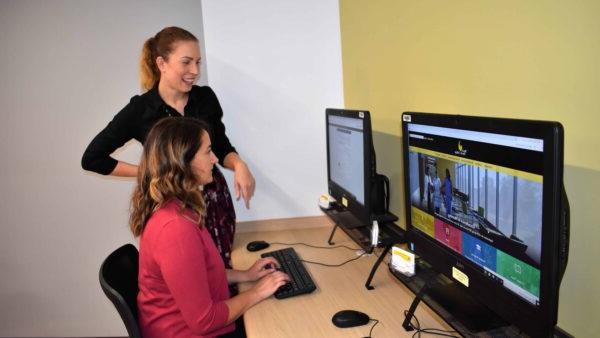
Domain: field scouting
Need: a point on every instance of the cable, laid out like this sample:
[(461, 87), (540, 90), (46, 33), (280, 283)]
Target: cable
[(334, 265), (371, 331), (389, 253), (433, 331), (417, 326), (318, 247)]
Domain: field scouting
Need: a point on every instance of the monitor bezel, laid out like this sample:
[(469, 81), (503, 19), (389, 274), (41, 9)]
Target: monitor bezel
[(531, 319), (360, 211)]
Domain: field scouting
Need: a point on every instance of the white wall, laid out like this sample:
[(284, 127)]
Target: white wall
[(67, 67), (275, 66)]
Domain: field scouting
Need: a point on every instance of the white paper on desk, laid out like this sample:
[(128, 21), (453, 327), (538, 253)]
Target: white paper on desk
[(403, 261)]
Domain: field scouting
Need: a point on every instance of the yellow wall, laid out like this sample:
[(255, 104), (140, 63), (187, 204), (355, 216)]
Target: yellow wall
[(518, 59)]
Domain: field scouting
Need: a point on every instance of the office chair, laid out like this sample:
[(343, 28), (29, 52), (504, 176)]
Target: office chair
[(119, 281)]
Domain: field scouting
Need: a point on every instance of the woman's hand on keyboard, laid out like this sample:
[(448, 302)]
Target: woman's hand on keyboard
[(268, 284), (261, 267)]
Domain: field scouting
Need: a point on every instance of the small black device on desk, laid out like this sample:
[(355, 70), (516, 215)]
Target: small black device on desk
[(257, 245), (350, 318), (290, 263)]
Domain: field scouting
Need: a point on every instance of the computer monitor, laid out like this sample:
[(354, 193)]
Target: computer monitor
[(350, 163), (485, 206)]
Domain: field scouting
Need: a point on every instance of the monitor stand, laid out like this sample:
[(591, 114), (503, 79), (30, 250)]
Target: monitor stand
[(461, 311), (347, 220), (470, 313), (384, 218)]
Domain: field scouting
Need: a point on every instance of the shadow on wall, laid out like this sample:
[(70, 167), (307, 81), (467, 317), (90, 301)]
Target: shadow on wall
[(578, 309), (388, 149)]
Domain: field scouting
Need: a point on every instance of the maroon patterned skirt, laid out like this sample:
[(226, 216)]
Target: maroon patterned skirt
[(220, 215)]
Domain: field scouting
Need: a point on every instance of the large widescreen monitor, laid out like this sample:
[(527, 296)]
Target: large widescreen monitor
[(350, 165), (484, 206)]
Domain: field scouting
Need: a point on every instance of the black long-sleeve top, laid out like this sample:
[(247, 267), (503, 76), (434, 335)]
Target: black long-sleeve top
[(138, 117)]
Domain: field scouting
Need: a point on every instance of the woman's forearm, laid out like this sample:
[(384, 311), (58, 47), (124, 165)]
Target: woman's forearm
[(236, 276), (240, 304), (125, 169), (232, 160)]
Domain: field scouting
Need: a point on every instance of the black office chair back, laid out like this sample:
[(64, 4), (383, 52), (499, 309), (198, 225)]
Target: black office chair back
[(119, 281)]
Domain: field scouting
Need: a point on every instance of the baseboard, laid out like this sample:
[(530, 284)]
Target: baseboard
[(284, 223), (560, 333)]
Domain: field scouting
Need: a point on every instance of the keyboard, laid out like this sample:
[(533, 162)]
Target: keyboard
[(290, 263)]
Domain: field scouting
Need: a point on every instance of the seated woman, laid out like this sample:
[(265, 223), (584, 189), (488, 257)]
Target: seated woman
[(182, 279)]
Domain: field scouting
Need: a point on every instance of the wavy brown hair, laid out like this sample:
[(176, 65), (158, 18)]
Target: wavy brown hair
[(161, 44), (165, 170)]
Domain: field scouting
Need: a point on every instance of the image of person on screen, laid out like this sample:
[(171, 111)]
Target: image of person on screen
[(428, 189), (169, 67), (437, 191), (447, 191), (183, 282)]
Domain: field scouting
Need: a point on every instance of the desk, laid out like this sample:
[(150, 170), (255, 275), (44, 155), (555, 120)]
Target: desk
[(339, 288)]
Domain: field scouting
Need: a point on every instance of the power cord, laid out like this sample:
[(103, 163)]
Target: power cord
[(334, 265), (432, 331), (318, 247), (325, 247), (371, 331)]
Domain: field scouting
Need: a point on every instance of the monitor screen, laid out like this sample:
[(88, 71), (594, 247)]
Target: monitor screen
[(346, 160), (482, 200), (349, 162)]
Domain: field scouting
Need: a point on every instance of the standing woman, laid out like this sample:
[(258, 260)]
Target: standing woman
[(169, 67)]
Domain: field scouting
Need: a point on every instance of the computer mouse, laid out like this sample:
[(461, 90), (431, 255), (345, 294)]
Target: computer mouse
[(350, 318), (257, 245)]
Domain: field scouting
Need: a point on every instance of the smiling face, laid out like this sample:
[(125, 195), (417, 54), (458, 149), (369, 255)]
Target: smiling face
[(180, 70), (204, 161)]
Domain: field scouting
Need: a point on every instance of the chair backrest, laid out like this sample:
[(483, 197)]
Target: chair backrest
[(119, 281)]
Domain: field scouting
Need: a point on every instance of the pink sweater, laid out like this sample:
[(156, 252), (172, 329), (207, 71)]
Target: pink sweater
[(182, 278)]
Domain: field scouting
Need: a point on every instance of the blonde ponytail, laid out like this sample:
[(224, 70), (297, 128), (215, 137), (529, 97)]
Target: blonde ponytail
[(149, 74)]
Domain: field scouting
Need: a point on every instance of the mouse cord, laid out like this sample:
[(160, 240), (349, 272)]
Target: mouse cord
[(318, 247), (432, 331), (371, 331), (334, 265)]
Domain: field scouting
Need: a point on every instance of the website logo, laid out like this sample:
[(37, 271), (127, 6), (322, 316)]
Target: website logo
[(462, 151)]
